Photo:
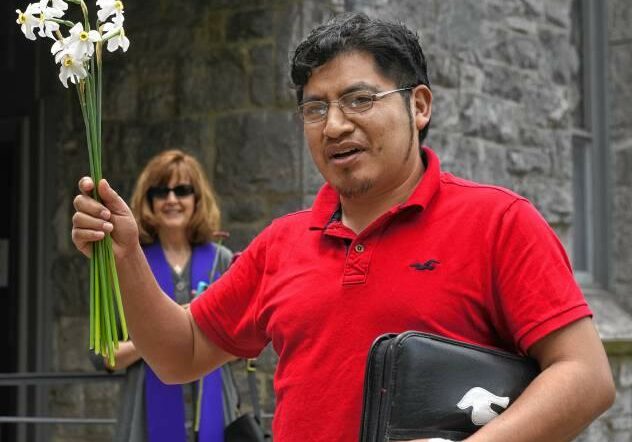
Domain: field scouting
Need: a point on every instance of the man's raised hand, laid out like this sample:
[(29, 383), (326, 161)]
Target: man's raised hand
[(92, 220)]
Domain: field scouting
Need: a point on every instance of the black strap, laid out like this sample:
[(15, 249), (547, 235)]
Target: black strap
[(251, 368)]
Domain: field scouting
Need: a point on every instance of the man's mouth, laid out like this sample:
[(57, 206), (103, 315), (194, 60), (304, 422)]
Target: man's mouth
[(345, 153)]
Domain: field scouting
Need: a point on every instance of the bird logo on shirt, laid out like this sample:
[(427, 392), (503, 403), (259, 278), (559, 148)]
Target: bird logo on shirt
[(481, 400), (428, 265)]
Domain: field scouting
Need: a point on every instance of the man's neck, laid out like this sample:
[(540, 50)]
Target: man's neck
[(360, 211)]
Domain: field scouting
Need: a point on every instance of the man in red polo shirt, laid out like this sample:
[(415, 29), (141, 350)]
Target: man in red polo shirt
[(391, 243)]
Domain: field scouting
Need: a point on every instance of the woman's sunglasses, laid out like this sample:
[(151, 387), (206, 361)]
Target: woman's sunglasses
[(162, 192)]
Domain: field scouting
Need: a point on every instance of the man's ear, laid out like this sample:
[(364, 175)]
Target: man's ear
[(422, 102)]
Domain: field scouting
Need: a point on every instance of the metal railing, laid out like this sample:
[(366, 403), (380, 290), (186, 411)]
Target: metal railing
[(54, 378)]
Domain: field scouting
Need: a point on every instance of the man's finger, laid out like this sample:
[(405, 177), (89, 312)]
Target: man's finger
[(81, 220), (91, 207), (111, 199), (86, 185)]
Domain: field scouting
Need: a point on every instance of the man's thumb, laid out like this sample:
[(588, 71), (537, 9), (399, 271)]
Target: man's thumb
[(111, 199)]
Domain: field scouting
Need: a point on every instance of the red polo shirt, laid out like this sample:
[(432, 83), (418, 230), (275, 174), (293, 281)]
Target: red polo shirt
[(468, 261)]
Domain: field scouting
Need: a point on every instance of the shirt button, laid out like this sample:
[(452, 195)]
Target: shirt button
[(359, 248)]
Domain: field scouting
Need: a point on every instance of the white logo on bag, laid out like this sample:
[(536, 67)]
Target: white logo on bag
[(481, 400)]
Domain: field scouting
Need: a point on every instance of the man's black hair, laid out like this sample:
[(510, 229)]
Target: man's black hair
[(395, 48)]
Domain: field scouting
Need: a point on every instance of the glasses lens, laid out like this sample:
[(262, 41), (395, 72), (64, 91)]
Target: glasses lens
[(183, 190), (354, 102), (162, 192), (313, 111), (159, 192)]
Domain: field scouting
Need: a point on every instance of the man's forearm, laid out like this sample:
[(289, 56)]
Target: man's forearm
[(160, 328), (551, 409), (574, 388)]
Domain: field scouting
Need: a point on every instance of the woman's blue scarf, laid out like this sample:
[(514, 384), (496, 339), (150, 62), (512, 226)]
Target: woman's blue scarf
[(164, 404)]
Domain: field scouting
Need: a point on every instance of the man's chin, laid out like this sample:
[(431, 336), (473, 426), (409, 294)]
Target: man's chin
[(355, 189)]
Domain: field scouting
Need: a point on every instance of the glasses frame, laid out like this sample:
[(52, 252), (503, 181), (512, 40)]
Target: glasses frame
[(162, 192), (345, 110)]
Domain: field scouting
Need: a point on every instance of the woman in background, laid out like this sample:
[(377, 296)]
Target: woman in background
[(178, 216)]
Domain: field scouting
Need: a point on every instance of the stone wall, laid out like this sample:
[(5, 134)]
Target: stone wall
[(620, 81), (211, 77)]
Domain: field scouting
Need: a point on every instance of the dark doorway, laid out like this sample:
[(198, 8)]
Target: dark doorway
[(8, 286)]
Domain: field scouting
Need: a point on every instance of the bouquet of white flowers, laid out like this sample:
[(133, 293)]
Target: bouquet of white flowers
[(79, 55)]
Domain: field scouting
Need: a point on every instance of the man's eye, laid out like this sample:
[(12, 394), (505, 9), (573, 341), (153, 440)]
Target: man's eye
[(314, 109), (357, 101)]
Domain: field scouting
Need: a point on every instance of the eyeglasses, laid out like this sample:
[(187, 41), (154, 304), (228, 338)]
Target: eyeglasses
[(351, 103), (162, 192)]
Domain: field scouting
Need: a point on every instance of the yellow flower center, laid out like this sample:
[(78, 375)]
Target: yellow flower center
[(22, 18), (118, 5), (68, 62), (83, 36)]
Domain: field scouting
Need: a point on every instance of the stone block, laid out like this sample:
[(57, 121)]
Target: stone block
[(445, 110), (625, 375), (514, 49), (69, 276), (242, 235), (263, 75), (120, 80), (558, 12), (244, 209), (312, 179), (528, 161), (504, 82), (488, 118), (461, 26), (288, 34), (258, 152), (213, 82), (72, 335), (452, 150), (444, 70), (472, 78), (620, 90), (546, 106), (486, 161), (251, 24), (562, 60), (619, 19), (157, 90)]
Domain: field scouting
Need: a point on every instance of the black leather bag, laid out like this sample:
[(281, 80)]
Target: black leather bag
[(419, 385), (246, 428)]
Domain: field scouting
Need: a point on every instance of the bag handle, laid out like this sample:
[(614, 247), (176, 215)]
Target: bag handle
[(251, 369)]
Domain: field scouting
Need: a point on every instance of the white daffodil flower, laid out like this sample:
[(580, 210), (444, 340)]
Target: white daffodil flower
[(115, 36), (80, 42), (60, 4), (46, 26), (71, 68), (28, 20), (110, 7)]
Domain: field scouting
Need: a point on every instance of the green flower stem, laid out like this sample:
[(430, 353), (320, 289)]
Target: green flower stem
[(117, 290), (61, 22), (105, 298)]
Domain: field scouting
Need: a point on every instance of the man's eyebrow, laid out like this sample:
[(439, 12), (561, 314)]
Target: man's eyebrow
[(359, 86)]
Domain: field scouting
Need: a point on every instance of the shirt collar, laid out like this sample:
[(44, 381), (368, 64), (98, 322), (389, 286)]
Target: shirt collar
[(327, 202)]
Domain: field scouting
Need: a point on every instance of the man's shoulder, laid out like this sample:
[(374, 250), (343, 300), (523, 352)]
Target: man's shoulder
[(475, 193), (286, 225)]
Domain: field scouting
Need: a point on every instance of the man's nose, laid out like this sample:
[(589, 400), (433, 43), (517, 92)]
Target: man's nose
[(336, 122)]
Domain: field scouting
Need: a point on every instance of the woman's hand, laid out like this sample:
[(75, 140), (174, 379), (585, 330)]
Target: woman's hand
[(125, 356), (92, 220)]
